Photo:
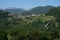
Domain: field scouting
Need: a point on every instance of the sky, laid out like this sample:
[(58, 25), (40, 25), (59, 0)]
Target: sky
[(27, 4)]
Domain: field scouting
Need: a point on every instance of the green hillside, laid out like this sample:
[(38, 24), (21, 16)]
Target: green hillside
[(42, 27)]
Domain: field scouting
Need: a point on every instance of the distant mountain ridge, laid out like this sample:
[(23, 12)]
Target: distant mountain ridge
[(36, 10), (40, 9), (15, 10)]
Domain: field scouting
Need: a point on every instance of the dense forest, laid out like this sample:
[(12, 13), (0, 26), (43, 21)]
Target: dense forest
[(40, 27)]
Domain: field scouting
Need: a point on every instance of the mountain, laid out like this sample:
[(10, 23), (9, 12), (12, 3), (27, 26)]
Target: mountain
[(54, 12), (35, 10), (15, 10), (40, 9)]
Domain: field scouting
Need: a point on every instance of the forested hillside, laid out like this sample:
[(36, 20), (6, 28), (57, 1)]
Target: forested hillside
[(41, 27), (40, 9)]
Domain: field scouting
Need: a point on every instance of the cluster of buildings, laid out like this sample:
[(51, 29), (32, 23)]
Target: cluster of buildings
[(23, 16)]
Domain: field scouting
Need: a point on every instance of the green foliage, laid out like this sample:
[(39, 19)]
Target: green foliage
[(3, 35), (55, 12), (31, 28), (3, 19)]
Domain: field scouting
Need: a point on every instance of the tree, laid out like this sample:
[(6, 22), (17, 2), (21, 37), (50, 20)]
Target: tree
[(3, 35), (3, 19)]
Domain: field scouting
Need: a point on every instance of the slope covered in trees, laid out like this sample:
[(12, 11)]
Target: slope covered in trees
[(40, 27), (56, 13), (38, 10), (3, 19)]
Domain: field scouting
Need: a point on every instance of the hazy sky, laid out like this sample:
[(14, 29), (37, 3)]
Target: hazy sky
[(27, 3)]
